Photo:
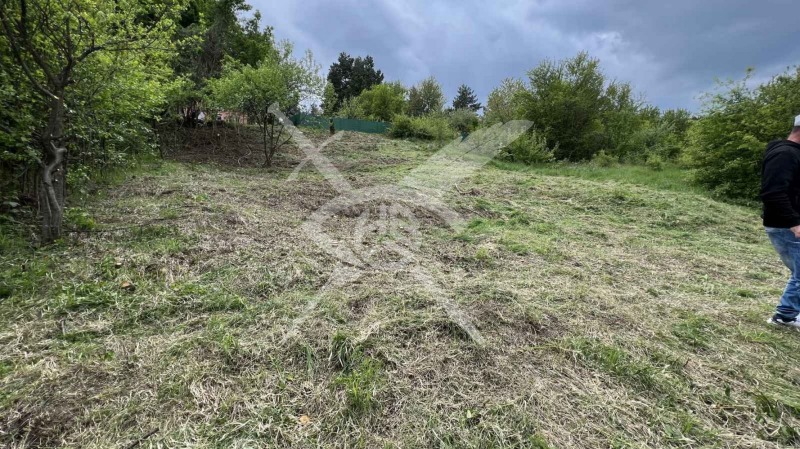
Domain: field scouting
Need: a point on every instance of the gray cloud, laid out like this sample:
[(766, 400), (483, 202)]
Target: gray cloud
[(670, 51)]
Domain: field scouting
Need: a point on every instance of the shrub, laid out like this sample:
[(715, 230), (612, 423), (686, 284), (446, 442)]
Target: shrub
[(382, 101), (430, 127), (79, 219), (463, 120), (727, 143), (655, 162), (658, 140), (530, 148), (565, 100), (602, 159), (350, 108)]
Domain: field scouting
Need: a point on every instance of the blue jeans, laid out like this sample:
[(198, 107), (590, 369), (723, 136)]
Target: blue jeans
[(788, 247)]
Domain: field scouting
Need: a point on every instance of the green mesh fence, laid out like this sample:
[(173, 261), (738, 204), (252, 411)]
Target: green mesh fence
[(341, 124)]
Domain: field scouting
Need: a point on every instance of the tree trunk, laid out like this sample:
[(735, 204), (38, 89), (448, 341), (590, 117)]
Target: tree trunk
[(53, 171), (266, 131)]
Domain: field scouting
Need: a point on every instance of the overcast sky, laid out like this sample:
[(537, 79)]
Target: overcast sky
[(670, 51)]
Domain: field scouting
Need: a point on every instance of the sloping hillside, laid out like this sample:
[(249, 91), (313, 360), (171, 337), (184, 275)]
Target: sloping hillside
[(609, 314)]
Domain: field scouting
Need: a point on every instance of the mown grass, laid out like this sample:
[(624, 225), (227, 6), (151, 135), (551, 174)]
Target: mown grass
[(669, 178), (618, 308)]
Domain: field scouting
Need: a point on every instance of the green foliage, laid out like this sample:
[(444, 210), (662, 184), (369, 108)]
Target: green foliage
[(425, 98), (79, 219), (530, 148), (466, 99), (349, 77), (503, 103), (431, 127), (602, 159), (105, 119), (360, 374), (728, 141), (655, 162), (350, 108), (211, 31), (463, 120), (648, 140), (360, 385), (281, 81), (574, 105), (329, 100), (382, 102), (19, 112), (565, 100)]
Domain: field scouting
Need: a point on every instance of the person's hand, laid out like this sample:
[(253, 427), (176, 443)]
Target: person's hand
[(796, 231)]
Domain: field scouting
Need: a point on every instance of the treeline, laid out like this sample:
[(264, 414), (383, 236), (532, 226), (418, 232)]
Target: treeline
[(577, 112)]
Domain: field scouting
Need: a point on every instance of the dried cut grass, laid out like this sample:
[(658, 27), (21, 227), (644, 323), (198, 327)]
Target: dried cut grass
[(615, 315)]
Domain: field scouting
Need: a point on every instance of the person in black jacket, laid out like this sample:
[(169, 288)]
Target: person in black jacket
[(780, 193)]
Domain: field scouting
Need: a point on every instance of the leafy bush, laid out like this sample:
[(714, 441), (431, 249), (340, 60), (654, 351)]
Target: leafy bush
[(530, 148), (382, 101), (655, 162), (565, 100), (350, 108), (430, 127), (650, 140), (79, 219), (463, 120), (727, 143), (576, 106), (603, 159)]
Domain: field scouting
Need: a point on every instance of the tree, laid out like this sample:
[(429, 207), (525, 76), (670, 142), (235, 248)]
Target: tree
[(329, 100), (210, 31), (51, 42), (281, 81), (383, 101), (466, 99), (565, 101), (350, 76), (503, 102), (622, 116), (728, 140), (425, 98)]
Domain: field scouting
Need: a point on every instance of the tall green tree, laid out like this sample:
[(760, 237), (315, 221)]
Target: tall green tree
[(52, 42), (350, 76), (565, 100), (425, 98), (466, 99), (211, 31), (503, 102)]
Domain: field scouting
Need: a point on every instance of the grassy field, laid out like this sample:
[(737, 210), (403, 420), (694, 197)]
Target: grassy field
[(619, 307)]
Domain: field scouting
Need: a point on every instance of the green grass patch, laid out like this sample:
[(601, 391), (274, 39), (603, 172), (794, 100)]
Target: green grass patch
[(670, 178)]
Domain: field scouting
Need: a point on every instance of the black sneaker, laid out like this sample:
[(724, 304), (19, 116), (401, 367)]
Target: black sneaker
[(780, 321)]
